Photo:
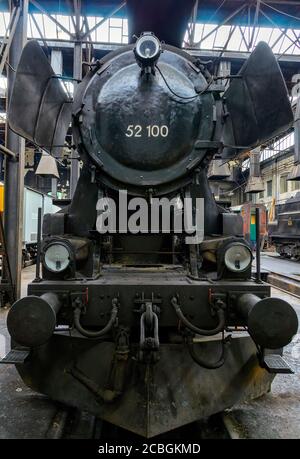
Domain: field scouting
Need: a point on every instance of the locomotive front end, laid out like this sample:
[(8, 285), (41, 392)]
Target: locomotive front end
[(147, 313)]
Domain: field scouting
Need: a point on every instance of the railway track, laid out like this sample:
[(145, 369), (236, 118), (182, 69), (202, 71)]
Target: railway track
[(288, 283), (69, 423)]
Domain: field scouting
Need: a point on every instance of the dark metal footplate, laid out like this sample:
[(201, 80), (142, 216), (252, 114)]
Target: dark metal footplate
[(15, 356), (274, 363)]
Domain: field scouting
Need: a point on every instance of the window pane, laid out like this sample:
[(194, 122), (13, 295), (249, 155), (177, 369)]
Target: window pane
[(295, 185), (283, 184), (269, 188)]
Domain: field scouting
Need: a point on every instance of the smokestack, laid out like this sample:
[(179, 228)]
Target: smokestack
[(255, 183), (167, 19)]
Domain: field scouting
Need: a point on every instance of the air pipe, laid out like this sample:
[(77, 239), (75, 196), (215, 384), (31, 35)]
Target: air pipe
[(104, 330), (200, 331)]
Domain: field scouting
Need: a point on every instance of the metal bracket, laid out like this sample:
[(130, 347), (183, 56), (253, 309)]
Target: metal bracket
[(149, 339), (211, 144)]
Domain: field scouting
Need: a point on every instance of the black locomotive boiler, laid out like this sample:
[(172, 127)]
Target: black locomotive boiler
[(145, 330)]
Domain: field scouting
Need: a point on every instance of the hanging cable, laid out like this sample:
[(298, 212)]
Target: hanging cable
[(178, 95)]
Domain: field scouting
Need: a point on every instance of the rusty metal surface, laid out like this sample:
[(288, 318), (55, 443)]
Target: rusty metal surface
[(157, 398)]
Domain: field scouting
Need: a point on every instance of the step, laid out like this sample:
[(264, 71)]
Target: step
[(15, 356), (274, 363)]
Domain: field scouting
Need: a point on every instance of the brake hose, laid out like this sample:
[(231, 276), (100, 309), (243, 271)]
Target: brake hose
[(103, 331), (200, 331), (209, 365)]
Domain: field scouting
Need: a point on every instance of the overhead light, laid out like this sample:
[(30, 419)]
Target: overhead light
[(47, 166)]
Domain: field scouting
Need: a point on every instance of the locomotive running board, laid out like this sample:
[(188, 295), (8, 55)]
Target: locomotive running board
[(274, 363), (15, 356)]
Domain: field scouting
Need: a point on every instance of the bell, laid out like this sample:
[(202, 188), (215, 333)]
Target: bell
[(218, 170), (47, 166)]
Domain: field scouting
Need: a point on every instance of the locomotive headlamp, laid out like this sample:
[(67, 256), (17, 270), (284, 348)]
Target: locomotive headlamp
[(238, 257), (57, 257), (147, 49)]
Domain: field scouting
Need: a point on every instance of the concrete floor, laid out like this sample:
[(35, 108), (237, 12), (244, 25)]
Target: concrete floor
[(277, 414), (273, 262), (25, 414)]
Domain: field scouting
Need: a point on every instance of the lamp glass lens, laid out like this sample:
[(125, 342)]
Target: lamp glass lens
[(237, 257), (147, 47), (57, 257)]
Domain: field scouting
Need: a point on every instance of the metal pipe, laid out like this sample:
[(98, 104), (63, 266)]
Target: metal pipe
[(39, 244), (77, 74), (7, 151), (257, 228), (54, 187), (271, 322), (107, 395), (14, 170), (31, 320), (12, 27)]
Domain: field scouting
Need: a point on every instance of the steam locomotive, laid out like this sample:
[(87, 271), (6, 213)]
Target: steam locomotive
[(284, 232), (149, 330)]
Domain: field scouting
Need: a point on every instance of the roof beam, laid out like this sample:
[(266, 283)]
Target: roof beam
[(254, 23), (231, 16), (103, 20), (71, 5), (277, 26), (39, 30), (45, 12)]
